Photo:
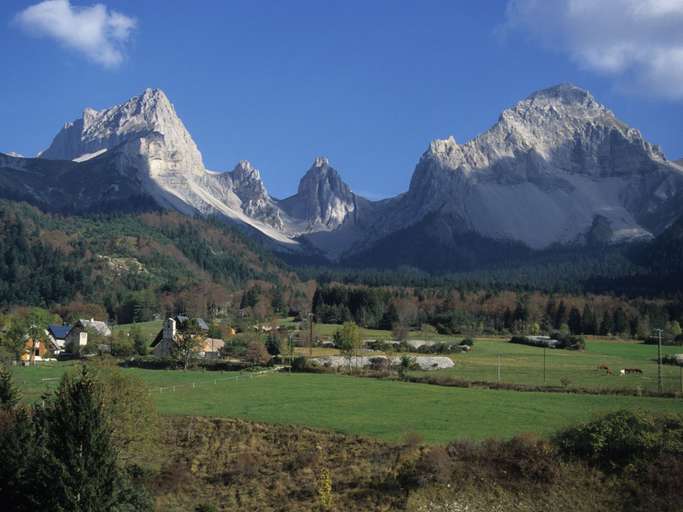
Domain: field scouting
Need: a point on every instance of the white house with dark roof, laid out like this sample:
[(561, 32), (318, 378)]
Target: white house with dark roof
[(162, 346)]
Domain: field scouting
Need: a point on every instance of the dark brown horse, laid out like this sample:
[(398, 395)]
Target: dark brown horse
[(603, 366)]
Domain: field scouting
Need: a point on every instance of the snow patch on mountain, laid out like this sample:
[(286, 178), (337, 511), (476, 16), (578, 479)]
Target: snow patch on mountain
[(88, 156)]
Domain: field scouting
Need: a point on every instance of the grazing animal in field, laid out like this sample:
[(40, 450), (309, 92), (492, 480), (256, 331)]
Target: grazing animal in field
[(603, 366), (627, 371)]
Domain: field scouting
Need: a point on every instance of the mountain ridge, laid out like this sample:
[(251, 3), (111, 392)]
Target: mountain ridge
[(551, 167)]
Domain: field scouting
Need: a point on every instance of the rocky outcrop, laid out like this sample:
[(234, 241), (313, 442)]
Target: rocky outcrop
[(245, 182), (420, 362), (323, 201)]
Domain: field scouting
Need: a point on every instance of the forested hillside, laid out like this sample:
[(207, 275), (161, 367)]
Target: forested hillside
[(135, 265)]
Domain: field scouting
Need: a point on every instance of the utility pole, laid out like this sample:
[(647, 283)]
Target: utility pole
[(310, 335), (659, 359)]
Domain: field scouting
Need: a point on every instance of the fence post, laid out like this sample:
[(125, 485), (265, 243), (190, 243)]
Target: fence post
[(498, 368)]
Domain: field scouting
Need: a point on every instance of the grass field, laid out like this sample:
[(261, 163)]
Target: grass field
[(148, 329), (521, 364), (384, 409)]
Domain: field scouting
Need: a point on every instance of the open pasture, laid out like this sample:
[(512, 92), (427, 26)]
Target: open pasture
[(148, 329), (379, 408), (521, 364)]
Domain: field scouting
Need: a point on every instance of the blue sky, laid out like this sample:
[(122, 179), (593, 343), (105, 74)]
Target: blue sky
[(366, 83)]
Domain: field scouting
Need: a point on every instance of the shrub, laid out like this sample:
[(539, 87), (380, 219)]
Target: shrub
[(299, 364), (468, 341), (379, 363), (622, 439), (432, 466), (441, 348), (122, 345), (257, 354), (380, 346)]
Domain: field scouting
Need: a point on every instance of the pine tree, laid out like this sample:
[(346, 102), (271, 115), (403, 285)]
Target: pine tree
[(620, 321), (9, 395), (588, 321), (78, 469), (560, 315), (273, 345), (139, 341), (17, 453), (606, 324), (574, 322)]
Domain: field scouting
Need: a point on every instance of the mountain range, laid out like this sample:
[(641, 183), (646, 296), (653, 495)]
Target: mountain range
[(557, 169)]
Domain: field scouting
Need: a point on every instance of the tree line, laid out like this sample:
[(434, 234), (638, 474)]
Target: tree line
[(460, 311)]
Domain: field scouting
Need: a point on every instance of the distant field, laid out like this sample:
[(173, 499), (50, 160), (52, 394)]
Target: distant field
[(384, 409), (521, 364), (148, 329)]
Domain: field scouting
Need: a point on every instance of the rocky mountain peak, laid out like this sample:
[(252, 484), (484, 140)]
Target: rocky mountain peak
[(320, 162), (247, 183), (323, 200), (564, 93), (323, 178), (139, 117), (244, 170), (564, 126)]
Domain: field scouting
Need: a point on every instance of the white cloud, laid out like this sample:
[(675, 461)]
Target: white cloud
[(638, 41), (99, 33)]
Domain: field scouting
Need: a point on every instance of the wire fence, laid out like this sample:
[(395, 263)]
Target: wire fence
[(210, 382), (35, 389), (553, 370)]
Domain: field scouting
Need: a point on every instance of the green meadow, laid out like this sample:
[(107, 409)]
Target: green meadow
[(380, 408), (521, 364)]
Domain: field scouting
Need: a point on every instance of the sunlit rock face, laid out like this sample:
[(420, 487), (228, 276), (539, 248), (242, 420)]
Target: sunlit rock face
[(544, 172), (556, 168)]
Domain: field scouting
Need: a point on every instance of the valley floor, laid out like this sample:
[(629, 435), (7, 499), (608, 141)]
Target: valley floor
[(382, 409)]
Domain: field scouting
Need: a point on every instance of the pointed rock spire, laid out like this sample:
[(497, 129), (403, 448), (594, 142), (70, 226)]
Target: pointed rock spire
[(98, 130)]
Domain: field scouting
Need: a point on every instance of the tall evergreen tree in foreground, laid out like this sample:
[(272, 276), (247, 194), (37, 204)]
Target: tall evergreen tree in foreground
[(16, 447), (80, 472), (9, 395), (62, 457)]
